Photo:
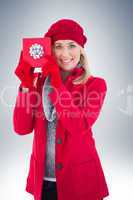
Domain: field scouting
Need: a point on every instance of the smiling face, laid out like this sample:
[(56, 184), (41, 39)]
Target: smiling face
[(67, 53)]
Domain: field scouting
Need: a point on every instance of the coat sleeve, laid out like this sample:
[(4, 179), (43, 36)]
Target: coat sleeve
[(79, 119), (23, 114)]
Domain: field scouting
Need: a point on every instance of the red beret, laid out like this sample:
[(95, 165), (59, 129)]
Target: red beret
[(66, 29)]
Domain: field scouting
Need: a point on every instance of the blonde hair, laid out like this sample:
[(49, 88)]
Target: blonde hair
[(82, 79)]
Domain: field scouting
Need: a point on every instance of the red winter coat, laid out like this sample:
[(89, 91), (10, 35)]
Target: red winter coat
[(79, 174)]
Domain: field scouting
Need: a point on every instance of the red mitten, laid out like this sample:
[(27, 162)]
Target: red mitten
[(52, 68), (25, 73)]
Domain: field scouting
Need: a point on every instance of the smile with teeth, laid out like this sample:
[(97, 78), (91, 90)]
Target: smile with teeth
[(66, 61)]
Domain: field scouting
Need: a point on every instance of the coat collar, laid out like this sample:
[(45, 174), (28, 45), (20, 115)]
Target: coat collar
[(74, 72), (78, 70)]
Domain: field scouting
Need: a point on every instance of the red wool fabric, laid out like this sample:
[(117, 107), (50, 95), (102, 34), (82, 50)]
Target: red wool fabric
[(67, 29)]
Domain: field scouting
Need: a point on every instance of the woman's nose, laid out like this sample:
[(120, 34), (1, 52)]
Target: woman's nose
[(65, 52)]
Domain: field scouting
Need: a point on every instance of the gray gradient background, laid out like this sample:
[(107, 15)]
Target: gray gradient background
[(109, 28)]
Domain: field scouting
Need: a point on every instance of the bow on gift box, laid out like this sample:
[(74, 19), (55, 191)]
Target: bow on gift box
[(35, 58)]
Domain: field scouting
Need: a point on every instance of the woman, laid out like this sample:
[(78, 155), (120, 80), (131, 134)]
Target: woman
[(61, 107)]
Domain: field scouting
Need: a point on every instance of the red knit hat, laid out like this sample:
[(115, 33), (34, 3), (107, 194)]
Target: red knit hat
[(66, 29)]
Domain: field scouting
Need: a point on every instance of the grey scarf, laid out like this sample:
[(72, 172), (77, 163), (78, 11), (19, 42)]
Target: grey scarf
[(49, 108), (50, 114)]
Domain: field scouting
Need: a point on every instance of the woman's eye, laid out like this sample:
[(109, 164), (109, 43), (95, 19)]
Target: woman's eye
[(72, 46), (58, 47)]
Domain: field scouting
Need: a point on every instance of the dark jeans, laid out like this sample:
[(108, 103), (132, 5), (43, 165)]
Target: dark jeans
[(49, 191)]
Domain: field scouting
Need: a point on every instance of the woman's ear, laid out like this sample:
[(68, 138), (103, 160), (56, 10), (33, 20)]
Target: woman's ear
[(81, 59)]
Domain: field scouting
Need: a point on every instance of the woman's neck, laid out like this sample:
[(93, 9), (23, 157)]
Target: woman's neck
[(64, 74)]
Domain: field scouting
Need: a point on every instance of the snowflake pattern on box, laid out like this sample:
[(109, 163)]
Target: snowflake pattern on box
[(36, 51)]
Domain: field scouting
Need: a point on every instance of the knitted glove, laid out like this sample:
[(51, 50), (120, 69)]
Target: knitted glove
[(25, 73), (52, 68)]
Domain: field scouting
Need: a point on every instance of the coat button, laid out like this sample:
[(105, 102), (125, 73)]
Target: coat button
[(59, 141), (59, 166)]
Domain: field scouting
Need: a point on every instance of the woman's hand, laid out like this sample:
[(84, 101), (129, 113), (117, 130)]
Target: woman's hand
[(84, 62), (25, 73), (51, 67)]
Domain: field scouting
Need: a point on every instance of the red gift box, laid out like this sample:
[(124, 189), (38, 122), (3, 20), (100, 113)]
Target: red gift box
[(35, 49)]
